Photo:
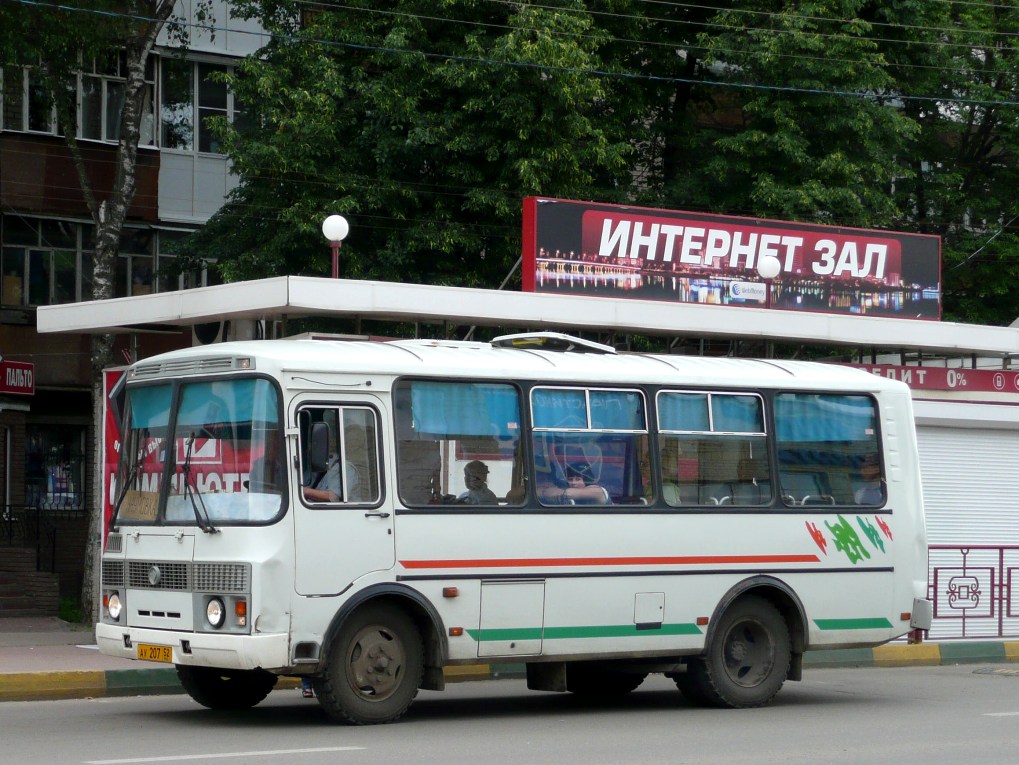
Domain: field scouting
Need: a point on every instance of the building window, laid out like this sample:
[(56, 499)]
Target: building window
[(189, 88), (55, 466), (39, 261), (27, 106), (176, 110), (46, 262), (101, 100)]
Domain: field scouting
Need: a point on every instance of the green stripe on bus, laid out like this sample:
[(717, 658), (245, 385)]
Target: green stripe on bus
[(853, 624), (566, 633)]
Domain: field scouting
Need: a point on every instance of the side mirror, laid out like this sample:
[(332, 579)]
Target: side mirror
[(318, 447)]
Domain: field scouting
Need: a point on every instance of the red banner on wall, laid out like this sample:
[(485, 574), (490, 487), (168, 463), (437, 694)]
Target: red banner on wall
[(954, 379), (112, 406), (609, 250)]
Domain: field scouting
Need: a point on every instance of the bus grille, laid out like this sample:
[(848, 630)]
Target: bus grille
[(158, 575), (115, 543), (221, 577), (186, 577), (113, 573)]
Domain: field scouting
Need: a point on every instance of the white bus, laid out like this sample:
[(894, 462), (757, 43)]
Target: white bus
[(367, 513)]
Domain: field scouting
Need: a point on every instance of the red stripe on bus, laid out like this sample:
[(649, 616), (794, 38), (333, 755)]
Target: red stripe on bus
[(687, 560)]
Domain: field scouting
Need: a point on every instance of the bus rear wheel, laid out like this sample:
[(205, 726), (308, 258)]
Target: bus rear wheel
[(747, 660), (229, 689), (600, 680), (375, 666)]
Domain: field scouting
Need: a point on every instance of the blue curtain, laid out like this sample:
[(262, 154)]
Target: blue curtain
[(683, 411), (737, 414), (617, 410), (801, 417), (228, 401), (149, 406), (465, 409), (559, 408)]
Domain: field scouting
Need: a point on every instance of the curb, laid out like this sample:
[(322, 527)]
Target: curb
[(83, 684)]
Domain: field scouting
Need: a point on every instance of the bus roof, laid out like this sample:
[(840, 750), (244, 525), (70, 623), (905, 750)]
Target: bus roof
[(444, 358)]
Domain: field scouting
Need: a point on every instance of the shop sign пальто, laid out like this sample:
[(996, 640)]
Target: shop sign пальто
[(615, 251), (17, 378)]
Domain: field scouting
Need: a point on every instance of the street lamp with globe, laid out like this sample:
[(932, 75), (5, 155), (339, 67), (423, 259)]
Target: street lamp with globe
[(768, 267), (335, 228)]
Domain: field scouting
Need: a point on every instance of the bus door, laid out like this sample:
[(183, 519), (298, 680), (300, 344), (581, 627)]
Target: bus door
[(342, 530)]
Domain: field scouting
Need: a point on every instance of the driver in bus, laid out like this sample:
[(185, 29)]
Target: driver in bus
[(329, 488)]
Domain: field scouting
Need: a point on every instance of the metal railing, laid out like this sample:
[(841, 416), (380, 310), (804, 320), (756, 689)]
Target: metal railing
[(33, 528), (971, 587)]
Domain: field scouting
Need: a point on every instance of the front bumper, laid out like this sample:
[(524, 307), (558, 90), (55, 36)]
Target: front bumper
[(270, 652)]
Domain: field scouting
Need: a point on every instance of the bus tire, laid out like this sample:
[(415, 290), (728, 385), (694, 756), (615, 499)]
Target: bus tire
[(226, 689), (600, 680), (375, 666), (747, 660)]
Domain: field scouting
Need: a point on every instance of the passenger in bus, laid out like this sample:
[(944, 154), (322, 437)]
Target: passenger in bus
[(871, 489), (476, 481), (580, 488)]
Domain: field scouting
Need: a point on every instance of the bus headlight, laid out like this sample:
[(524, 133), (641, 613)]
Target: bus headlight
[(215, 612), (113, 606)]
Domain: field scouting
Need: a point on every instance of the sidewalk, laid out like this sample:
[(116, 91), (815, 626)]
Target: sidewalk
[(46, 658)]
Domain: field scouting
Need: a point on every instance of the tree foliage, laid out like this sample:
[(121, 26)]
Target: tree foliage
[(427, 123)]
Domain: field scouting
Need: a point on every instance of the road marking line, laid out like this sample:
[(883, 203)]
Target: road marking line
[(183, 757), (1001, 714)]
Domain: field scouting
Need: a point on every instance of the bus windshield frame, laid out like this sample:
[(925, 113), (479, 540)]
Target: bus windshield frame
[(204, 452)]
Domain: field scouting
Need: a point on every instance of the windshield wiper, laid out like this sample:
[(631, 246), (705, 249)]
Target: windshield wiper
[(133, 472), (192, 492)]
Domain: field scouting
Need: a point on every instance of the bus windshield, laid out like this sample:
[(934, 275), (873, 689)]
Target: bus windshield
[(203, 452)]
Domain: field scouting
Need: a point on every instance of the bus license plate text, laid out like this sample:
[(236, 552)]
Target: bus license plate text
[(155, 652)]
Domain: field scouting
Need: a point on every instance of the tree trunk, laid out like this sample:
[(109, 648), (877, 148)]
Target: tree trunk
[(109, 216)]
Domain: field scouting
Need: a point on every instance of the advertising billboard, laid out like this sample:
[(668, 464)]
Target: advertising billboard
[(584, 248)]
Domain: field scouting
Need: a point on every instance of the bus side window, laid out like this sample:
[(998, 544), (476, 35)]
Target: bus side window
[(452, 433), (822, 442), (598, 435), (339, 463)]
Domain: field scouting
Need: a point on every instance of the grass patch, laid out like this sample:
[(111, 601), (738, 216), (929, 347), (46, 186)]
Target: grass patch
[(70, 610)]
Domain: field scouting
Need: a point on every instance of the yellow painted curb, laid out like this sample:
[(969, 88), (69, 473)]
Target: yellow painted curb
[(463, 672), (1012, 651), (904, 655), (24, 686)]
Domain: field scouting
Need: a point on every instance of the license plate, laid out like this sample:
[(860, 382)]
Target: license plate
[(155, 652)]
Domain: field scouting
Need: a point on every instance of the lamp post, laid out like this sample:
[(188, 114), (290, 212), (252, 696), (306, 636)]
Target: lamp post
[(768, 267), (335, 228)]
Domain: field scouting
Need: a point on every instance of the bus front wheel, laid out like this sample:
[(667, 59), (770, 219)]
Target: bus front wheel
[(226, 688), (746, 662), (375, 666)]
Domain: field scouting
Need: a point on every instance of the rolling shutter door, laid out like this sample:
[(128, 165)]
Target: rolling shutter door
[(971, 494)]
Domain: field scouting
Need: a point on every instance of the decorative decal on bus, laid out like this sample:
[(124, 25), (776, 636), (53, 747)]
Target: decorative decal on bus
[(846, 540)]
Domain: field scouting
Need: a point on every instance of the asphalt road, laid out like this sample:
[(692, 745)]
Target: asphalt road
[(923, 715)]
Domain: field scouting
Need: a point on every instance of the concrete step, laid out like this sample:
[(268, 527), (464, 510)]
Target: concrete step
[(17, 559), (29, 593)]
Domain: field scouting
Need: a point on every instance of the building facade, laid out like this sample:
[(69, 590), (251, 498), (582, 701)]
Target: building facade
[(46, 252)]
